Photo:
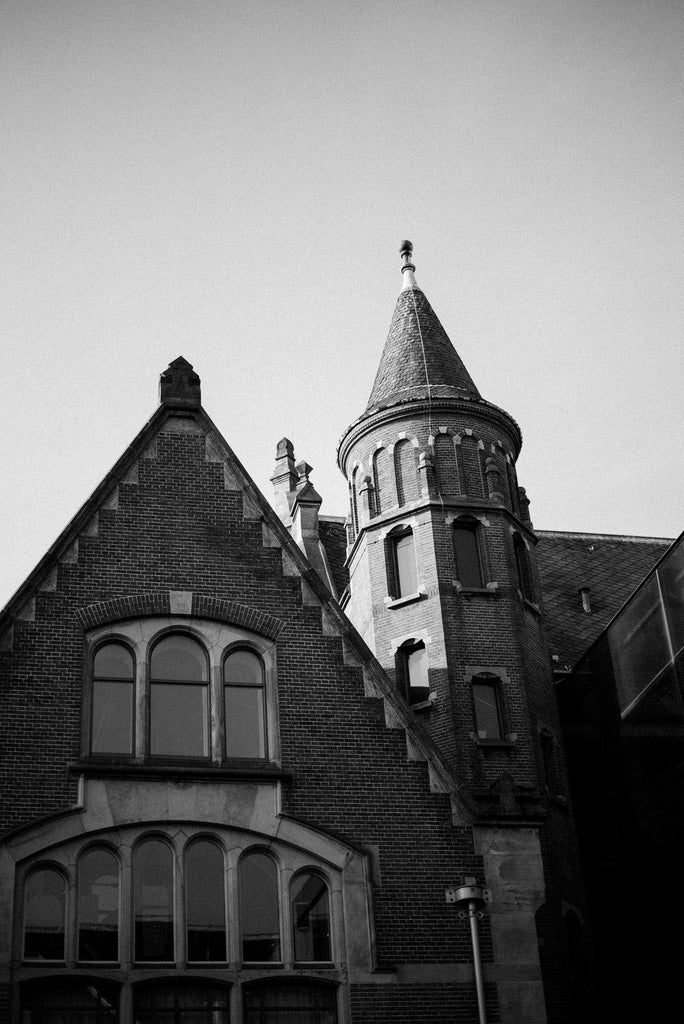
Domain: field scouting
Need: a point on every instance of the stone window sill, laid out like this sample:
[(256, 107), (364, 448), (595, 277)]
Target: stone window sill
[(252, 771), (399, 602)]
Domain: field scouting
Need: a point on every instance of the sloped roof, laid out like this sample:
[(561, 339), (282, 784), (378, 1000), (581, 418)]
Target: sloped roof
[(418, 353), (611, 567)]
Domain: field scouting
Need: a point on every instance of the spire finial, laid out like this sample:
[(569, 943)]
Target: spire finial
[(408, 267)]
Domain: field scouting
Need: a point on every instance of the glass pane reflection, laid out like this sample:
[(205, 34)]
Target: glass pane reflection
[(153, 902), (98, 906), (205, 903), (259, 909)]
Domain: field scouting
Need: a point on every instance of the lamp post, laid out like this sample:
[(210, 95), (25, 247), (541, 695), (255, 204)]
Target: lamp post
[(474, 897)]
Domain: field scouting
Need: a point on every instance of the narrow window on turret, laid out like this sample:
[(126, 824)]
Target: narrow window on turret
[(402, 571), (522, 564), (467, 553), (412, 671), (487, 706)]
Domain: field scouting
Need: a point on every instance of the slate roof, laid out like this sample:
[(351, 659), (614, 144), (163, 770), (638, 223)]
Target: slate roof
[(411, 349), (611, 566), (333, 536)]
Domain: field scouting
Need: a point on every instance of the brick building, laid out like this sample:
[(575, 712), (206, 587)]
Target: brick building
[(247, 753)]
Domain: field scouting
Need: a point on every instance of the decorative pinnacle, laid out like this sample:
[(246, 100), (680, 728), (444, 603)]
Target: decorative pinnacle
[(408, 267)]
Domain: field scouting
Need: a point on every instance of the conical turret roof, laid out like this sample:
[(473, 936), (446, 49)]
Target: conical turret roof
[(418, 356)]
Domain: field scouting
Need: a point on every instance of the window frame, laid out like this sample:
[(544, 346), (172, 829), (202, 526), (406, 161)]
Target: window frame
[(217, 639), (472, 526), (120, 641), (392, 542), (492, 680), (401, 662), (82, 854)]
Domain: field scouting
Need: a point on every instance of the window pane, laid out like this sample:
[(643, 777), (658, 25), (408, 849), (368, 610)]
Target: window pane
[(112, 731), (178, 657), (259, 909), (243, 667), (153, 902), (113, 661), (244, 710), (98, 906), (69, 1002), (487, 718), (405, 564), (44, 915), (468, 568), (417, 673), (180, 1003), (205, 903), (179, 719), (290, 1003), (311, 919)]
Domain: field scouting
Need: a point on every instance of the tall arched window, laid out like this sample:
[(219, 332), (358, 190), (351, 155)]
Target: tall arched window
[(446, 467), (522, 565), (310, 919), (382, 481), (406, 472), (472, 467), (243, 678), (259, 917), (112, 711), (205, 909), (44, 915), (179, 699), (353, 500), (98, 906), (467, 553), (153, 902)]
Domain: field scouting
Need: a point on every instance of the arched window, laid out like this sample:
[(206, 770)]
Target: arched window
[(178, 1002), (401, 557), (205, 903), (310, 919), (179, 698), (446, 467), (112, 711), (245, 719), (297, 1002), (382, 481), (406, 473), (153, 902), (353, 500), (44, 915), (412, 671), (467, 553), (487, 706), (259, 917), (472, 467), (522, 565), (98, 906)]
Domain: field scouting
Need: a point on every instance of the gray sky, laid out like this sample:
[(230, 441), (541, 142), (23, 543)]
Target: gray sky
[(230, 181)]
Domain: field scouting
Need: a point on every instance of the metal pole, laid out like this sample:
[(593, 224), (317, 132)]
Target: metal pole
[(477, 963)]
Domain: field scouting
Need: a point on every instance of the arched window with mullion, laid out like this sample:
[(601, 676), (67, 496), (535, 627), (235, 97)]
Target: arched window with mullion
[(98, 906), (45, 915), (153, 899), (205, 903), (310, 919), (259, 908), (244, 704), (112, 700), (179, 698)]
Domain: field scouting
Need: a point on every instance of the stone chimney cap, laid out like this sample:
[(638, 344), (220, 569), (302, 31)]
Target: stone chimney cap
[(179, 385)]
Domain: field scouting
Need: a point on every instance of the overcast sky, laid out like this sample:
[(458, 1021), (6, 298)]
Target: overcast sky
[(230, 181)]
